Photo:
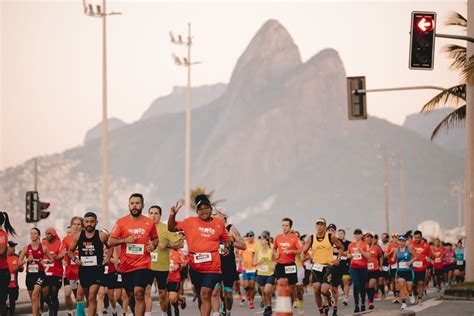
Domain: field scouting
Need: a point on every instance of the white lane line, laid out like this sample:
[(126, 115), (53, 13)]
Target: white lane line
[(427, 304)]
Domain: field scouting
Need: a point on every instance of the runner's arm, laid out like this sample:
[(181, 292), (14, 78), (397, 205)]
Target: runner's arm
[(48, 253), (307, 244), (72, 248), (239, 242), (177, 244), (414, 255), (21, 258), (172, 224), (339, 246)]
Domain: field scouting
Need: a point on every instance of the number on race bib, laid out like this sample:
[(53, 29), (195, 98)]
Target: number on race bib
[(370, 266), (12, 277), (318, 267), (33, 268), (202, 257), (135, 249), (393, 266), (459, 262), (263, 269), (357, 256), (89, 261), (418, 264), (403, 265), (438, 260), (385, 268), (106, 269), (154, 257), (119, 278), (290, 269)]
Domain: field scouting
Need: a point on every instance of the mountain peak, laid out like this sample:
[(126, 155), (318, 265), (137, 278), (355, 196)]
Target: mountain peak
[(270, 54)]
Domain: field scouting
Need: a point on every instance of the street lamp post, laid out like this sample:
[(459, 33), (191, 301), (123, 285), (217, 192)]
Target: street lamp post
[(186, 62), (100, 11), (383, 147), (402, 192)]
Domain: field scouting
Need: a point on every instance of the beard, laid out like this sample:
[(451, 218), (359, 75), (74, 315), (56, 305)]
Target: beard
[(135, 212), (90, 228)]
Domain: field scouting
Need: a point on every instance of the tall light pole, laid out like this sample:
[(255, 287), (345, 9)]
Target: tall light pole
[(383, 147), (186, 62), (100, 11), (470, 153), (402, 192)]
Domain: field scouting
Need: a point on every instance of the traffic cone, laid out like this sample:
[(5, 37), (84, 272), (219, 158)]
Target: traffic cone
[(283, 299)]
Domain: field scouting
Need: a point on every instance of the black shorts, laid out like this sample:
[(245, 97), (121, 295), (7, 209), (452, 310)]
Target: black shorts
[(4, 280), (229, 276), (173, 287), (385, 274), (208, 280), (450, 267), (281, 274), (13, 293), (184, 272), (420, 276), (323, 277), (307, 273), (392, 274), (89, 276), (33, 279), (407, 275), (53, 281), (65, 282), (138, 278), (374, 274), (460, 267), (439, 272), (336, 279), (111, 281), (161, 278)]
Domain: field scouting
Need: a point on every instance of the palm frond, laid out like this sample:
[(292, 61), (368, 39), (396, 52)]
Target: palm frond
[(456, 118), (456, 19), (458, 54), (451, 96), (467, 74)]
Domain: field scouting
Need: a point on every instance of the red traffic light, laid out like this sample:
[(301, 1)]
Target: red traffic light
[(425, 24), (45, 205)]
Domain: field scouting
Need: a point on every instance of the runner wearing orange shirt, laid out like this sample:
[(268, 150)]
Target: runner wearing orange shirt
[(392, 262), (249, 273), (374, 267), (13, 267), (204, 235), (53, 269), (177, 261), (423, 250), (136, 234), (359, 254), (286, 246)]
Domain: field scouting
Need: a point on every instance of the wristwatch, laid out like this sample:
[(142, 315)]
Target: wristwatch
[(167, 245)]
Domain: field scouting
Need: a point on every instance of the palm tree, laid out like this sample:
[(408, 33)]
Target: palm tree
[(456, 95), (199, 191)]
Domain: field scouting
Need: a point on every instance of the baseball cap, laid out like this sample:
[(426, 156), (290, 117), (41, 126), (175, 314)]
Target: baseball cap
[(202, 199), (369, 234), (12, 244), (250, 234), (402, 238), (321, 220), (332, 226)]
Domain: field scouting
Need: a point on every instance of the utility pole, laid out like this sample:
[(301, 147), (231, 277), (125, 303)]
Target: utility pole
[(383, 147), (470, 153), (186, 62), (402, 193)]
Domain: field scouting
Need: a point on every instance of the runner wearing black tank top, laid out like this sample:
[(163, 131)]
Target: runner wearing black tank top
[(90, 244)]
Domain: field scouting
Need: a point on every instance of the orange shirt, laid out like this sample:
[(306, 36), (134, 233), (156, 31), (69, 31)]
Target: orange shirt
[(375, 253), (71, 267), (176, 257), (392, 258), (203, 239), (282, 243), (423, 250), (12, 262), (4, 242), (358, 260), (134, 256), (247, 257), (55, 268)]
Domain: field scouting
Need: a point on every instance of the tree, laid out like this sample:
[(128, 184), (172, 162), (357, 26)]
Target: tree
[(202, 190), (456, 95)]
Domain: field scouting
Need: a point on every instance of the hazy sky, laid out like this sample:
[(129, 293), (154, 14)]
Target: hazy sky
[(51, 58)]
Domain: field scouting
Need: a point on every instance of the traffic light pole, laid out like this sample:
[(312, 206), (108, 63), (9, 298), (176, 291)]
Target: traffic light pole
[(458, 37), (360, 91), (35, 183)]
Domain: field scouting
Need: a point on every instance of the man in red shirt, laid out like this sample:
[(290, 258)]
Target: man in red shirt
[(286, 247), (13, 285), (203, 235), (423, 250), (136, 234), (53, 269)]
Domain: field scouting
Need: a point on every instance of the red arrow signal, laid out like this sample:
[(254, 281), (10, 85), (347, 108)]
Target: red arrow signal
[(426, 24)]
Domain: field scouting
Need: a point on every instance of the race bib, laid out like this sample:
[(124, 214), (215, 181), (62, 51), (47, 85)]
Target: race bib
[(403, 265), (438, 260), (343, 258), (33, 268), (385, 268), (47, 265), (334, 257), (459, 263), (154, 257), (370, 266), (263, 269), (221, 249), (290, 269), (418, 264), (89, 261), (106, 269), (357, 256), (119, 278), (135, 249), (202, 257), (393, 266), (12, 277), (318, 267)]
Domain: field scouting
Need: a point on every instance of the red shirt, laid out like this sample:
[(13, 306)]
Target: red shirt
[(392, 260), (55, 268), (203, 239), (358, 260), (423, 251), (375, 253), (134, 256), (110, 267), (71, 267), (438, 254), (289, 242), (36, 265), (176, 257), (12, 262), (4, 242)]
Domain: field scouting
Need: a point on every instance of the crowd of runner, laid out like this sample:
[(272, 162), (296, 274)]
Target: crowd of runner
[(100, 270)]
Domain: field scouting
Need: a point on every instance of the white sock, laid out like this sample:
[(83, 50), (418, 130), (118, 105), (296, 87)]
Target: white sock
[(147, 313)]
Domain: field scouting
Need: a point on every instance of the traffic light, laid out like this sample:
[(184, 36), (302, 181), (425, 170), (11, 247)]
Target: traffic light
[(422, 40), (35, 209), (356, 101)]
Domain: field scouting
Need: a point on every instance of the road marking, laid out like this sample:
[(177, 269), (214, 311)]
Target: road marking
[(427, 304)]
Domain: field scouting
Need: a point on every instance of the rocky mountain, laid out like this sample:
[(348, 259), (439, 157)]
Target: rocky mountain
[(96, 131), (453, 140), (276, 143), (176, 101)]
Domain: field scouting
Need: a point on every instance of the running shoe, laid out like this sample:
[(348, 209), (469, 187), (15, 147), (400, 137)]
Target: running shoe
[(404, 306)]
